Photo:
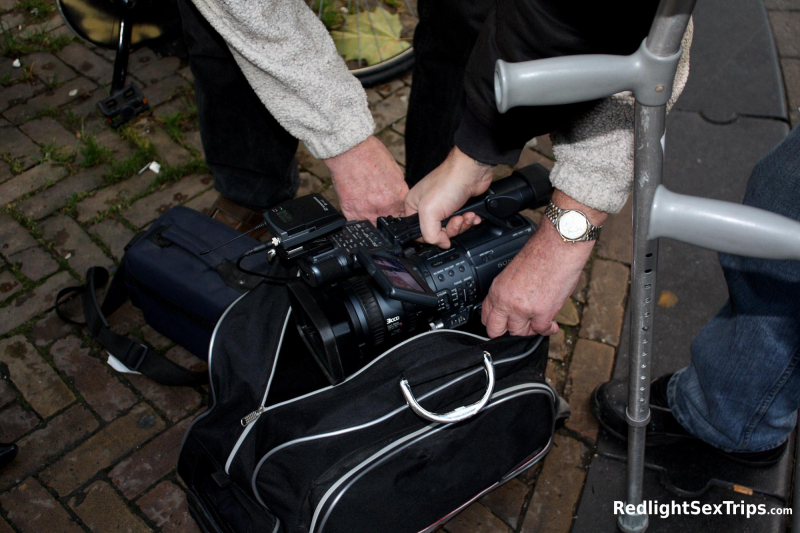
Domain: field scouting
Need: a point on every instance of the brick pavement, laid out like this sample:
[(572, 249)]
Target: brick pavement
[(98, 449)]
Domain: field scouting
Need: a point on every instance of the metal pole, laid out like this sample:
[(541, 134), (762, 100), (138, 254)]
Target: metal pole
[(123, 49), (664, 39)]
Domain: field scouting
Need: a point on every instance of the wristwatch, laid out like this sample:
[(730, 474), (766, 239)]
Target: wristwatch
[(571, 224)]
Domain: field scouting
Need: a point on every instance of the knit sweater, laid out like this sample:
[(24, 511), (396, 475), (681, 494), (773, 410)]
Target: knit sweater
[(289, 59)]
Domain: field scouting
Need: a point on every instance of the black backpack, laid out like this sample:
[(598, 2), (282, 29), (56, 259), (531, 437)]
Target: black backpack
[(281, 450)]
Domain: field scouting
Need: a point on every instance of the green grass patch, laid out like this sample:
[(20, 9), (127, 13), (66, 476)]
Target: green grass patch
[(60, 155), (126, 168), (93, 153), (35, 10), (15, 164)]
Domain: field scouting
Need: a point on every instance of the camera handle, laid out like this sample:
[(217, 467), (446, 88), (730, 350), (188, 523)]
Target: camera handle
[(458, 414)]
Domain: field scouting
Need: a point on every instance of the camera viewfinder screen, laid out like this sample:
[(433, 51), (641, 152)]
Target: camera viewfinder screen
[(396, 273)]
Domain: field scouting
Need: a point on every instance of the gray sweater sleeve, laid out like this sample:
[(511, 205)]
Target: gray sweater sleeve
[(594, 154), (291, 62)]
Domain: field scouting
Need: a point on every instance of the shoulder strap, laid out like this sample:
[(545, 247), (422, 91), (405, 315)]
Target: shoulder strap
[(131, 353)]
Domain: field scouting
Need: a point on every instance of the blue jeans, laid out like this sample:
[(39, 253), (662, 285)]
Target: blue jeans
[(741, 391)]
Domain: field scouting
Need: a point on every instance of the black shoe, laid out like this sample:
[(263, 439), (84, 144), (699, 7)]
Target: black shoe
[(610, 399), (7, 453)]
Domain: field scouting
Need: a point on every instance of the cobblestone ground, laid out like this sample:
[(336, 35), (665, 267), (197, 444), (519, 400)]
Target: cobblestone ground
[(98, 450)]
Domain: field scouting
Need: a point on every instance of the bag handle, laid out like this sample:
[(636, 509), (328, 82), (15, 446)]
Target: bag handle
[(458, 414), (126, 354)]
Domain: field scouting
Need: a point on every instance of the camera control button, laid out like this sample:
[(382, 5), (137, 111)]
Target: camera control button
[(451, 273), (440, 277), (461, 268)]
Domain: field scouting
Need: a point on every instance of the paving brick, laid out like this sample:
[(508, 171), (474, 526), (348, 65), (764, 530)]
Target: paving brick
[(102, 510), (52, 327), (194, 141), (558, 346), (46, 131), (555, 375), (29, 181), (87, 63), (4, 527), (73, 244), (114, 234), (203, 202), (166, 506), (126, 319), (33, 377), (17, 94), (542, 144), (154, 461), (9, 284), (501, 171), (160, 92), (5, 171), (11, 21), (150, 207), (782, 4), (15, 421), (53, 98), (40, 446), (391, 109), (13, 237), (34, 263), (308, 183), (107, 137), (602, 318), (105, 199), (579, 292), (102, 449), (400, 126), (53, 198), (312, 164), (186, 73), (34, 302), (186, 359), (591, 365), (32, 509), (616, 238), (7, 392), (529, 157), (373, 97), (157, 70), (169, 151), (568, 314), (791, 77), (389, 87), (396, 145), (49, 68), (14, 143), (557, 490), (784, 29), (55, 21), (140, 59), (154, 338), (476, 519), (175, 402), (98, 387), (507, 501)]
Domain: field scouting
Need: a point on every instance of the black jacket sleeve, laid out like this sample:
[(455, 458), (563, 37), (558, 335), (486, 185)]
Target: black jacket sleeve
[(522, 30)]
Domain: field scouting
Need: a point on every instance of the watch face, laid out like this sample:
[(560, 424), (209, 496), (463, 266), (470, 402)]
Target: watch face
[(572, 224)]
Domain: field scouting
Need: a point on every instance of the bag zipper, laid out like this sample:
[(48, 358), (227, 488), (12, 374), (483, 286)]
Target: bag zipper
[(252, 417)]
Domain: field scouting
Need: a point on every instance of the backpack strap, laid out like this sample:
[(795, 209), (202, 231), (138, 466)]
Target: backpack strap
[(124, 353)]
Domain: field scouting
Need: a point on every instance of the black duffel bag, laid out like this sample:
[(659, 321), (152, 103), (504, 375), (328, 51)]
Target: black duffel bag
[(180, 292), (281, 450)]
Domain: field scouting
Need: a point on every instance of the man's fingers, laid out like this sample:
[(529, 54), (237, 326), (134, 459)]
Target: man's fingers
[(432, 231), (519, 326), (454, 226), (496, 324)]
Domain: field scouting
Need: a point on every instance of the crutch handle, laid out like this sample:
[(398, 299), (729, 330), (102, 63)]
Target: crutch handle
[(723, 226)]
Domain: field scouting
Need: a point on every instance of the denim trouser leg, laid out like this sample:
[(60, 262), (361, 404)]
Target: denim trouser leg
[(250, 154), (741, 390)]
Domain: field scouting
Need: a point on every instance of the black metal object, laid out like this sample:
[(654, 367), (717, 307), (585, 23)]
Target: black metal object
[(125, 102)]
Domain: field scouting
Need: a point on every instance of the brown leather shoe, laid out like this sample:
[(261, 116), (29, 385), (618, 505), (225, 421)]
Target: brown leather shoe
[(237, 216)]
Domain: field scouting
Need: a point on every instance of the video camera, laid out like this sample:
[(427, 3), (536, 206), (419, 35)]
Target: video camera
[(363, 289)]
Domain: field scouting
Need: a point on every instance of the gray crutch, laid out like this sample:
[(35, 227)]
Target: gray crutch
[(722, 226)]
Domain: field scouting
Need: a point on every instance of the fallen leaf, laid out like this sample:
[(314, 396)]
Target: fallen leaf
[(372, 35), (667, 299)]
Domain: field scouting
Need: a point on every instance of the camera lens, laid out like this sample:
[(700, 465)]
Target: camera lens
[(347, 324)]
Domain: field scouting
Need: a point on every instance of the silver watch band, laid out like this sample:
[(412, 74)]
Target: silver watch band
[(553, 212)]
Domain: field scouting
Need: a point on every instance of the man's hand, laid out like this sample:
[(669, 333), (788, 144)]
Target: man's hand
[(442, 192), (528, 294), (368, 181)]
